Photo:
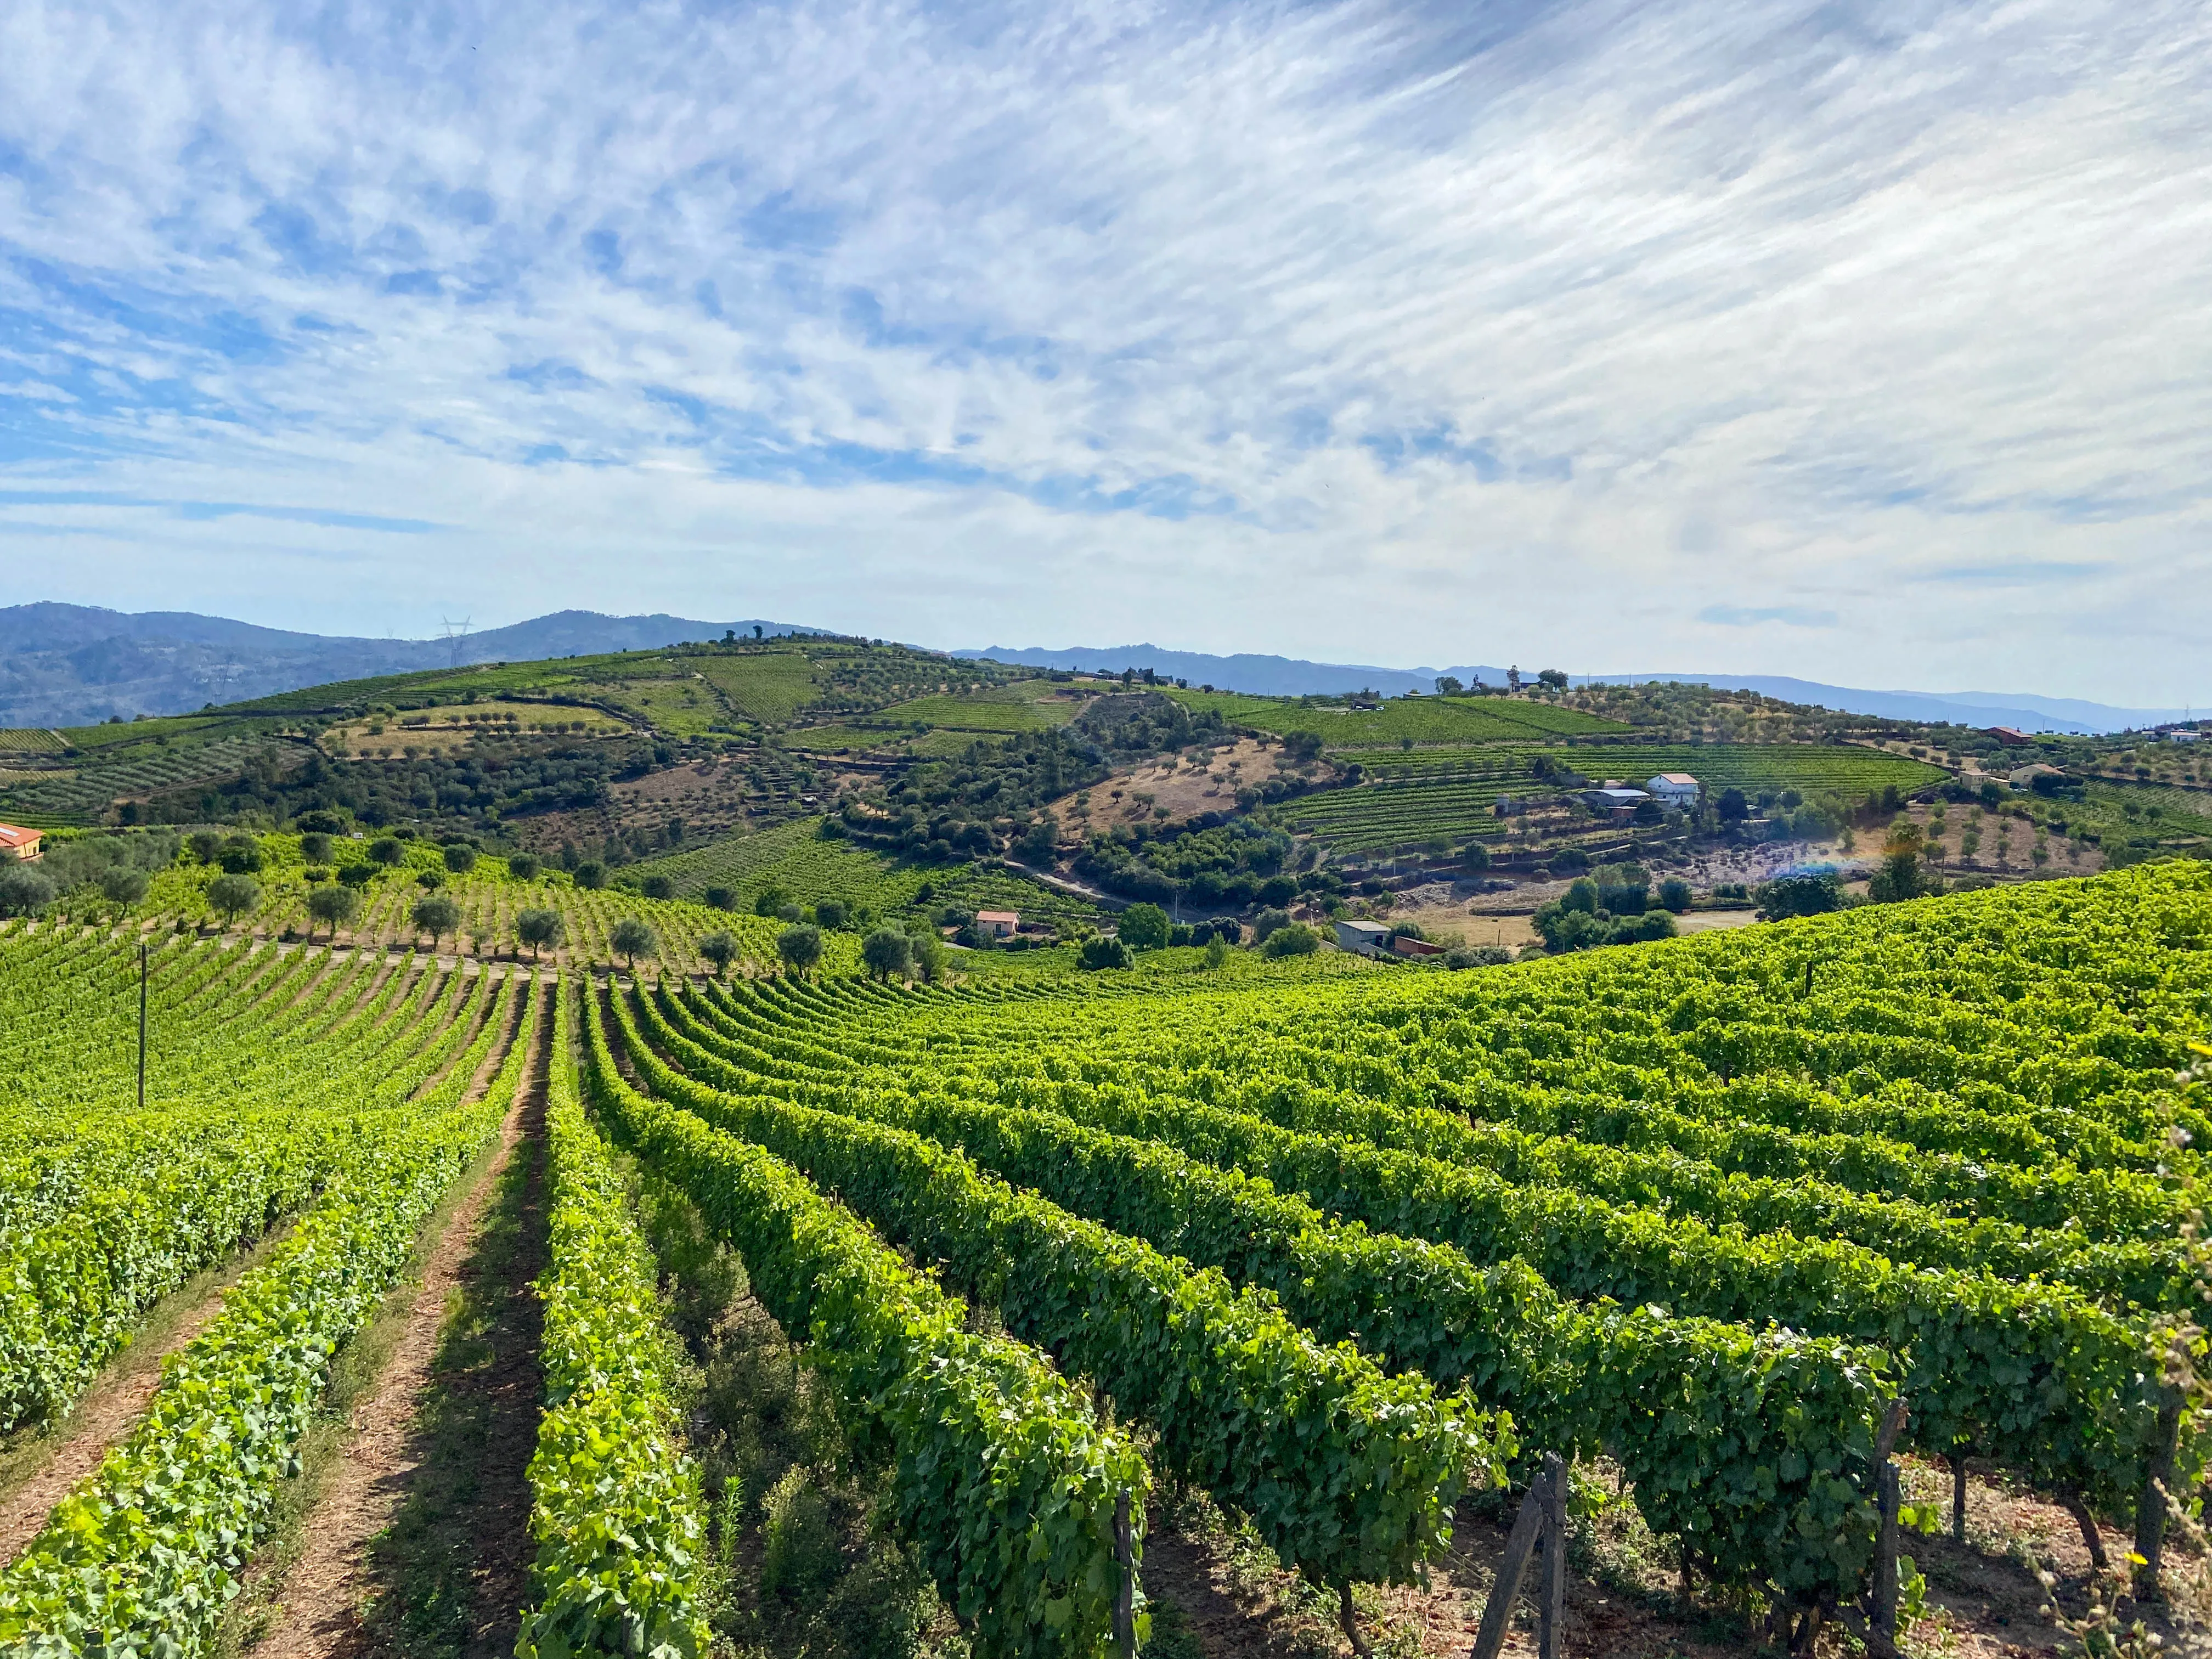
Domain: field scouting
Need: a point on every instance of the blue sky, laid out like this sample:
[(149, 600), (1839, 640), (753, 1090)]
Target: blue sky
[(1867, 342)]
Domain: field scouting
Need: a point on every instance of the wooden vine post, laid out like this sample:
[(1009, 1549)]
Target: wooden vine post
[(1125, 1597), (1542, 1518), (1875, 1620), (2150, 1509)]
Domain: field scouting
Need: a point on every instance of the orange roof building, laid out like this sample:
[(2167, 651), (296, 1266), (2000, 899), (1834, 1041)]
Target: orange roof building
[(21, 845)]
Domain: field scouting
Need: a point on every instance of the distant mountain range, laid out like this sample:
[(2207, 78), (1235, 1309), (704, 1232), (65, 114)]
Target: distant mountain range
[(1293, 676), (1270, 676), (2018, 709), (72, 664)]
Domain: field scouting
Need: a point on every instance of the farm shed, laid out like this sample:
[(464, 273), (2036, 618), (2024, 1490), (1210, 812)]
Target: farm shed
[(1365, 937)]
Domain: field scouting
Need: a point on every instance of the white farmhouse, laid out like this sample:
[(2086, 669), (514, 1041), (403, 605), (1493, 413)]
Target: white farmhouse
[(1675, 789)]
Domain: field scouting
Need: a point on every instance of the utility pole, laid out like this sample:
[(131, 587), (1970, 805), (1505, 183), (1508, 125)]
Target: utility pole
[(141, 1025)]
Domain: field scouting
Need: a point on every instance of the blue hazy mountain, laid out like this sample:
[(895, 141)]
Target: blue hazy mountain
[(1294, 677), (70, 665)]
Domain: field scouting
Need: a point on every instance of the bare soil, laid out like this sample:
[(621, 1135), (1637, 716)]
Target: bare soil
[(1218, 1595), (418, 1542), (41, 1468), (1187, 791), (715, 798)]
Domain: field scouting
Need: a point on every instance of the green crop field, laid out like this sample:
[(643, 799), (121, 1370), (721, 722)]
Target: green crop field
[(857, 740), (1809, 768), (1374, 815), (796, 858), (1008, 1247), (1000, 711), (29, 740), (1418, 720), (78, 792), (1448, 795)]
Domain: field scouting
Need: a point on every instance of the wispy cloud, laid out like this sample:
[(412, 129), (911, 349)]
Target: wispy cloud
[(1737, 616), (2011, 573), (1357, 328)]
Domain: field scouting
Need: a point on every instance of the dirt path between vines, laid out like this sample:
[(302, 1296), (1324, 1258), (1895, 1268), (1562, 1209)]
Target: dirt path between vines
[(419, 1545), (37, 1473)]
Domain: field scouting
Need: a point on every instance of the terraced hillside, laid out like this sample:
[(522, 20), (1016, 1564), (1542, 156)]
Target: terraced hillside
[(1418, 796)]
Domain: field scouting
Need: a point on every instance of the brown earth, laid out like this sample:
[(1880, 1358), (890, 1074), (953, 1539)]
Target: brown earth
[(1219, 1594), (1185, 790), (329, 1598), (37, 1471), (713, 797)]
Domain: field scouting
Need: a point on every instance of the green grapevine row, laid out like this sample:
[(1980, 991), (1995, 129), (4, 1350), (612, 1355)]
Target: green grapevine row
[(1004, 1479), (616, 1508), (1701, 1415), (145, 1554), (1347, 1473)]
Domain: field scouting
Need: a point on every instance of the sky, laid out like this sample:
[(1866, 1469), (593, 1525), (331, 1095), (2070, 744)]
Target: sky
[(1870, 343)]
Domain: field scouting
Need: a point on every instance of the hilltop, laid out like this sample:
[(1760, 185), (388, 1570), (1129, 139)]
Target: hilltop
[(821, 766), (64, 664)]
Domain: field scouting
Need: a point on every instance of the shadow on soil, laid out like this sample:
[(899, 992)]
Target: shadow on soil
[(449, 1574)]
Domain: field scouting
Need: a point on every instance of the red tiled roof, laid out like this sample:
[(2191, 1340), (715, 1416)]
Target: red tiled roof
[(11, 836)]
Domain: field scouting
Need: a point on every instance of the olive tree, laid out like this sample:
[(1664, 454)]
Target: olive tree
[(233, 895), (435, 914), (634, 939), (333, 906), (721, 949), (540, 930), (800, 948), (887, 951), (24, 892), (121, 884)]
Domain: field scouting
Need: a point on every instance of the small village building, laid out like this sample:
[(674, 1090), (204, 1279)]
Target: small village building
[(1365, 937), (20, 846), (997, 924), (2184, 734), (1405, 946), (1675, 789), (2011, 734)]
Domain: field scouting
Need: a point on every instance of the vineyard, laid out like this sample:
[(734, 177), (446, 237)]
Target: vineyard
[(76, 791), (796, 859), (1413, 719), (1348, 1251), (1418, 796)]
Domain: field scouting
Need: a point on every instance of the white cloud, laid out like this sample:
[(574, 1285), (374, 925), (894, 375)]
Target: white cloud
[(1335, 330)]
